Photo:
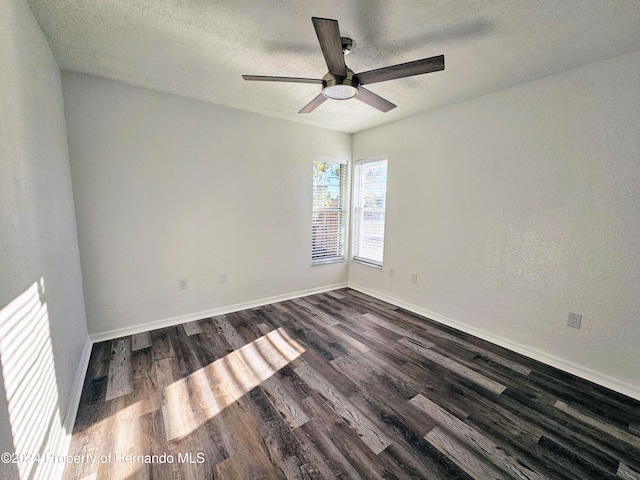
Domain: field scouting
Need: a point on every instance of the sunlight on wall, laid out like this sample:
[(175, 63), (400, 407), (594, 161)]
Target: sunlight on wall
[(30, 380)]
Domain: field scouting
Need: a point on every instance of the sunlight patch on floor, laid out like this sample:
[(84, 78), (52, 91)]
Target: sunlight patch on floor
[(224, 381)]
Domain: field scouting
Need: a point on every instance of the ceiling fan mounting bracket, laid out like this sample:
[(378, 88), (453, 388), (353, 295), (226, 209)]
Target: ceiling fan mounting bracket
[(347, 45)]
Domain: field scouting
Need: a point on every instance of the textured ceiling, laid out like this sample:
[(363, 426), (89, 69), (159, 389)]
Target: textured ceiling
[(200, 48)]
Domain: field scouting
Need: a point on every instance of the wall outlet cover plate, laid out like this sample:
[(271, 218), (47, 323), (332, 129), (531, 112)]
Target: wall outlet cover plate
[(574, 320)]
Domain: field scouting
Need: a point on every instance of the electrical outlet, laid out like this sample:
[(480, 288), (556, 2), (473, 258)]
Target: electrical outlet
[(182, 284), (392, 272), (414, 278), (223, 278), (574, 320)]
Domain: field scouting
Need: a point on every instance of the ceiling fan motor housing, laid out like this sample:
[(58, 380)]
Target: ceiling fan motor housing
[(340, 88)]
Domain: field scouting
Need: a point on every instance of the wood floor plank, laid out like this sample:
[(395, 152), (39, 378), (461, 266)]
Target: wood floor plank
[(291, 411), (608, 429), (192, 328), (474, 439), (339, 310), (179, 419), (399, 330), (444, 389), (403, 432), (561, 386), (336, 295), (100, 364), (128, 440), (90, 432), (397, 413), (341, 443), (230, 333), (147, 393), (384, 343), (208, 327), (627, 473), (197, 442), (316, 435), (264, 328), (338, 379), (161, 346), (432, 331), (248, 315), (341, 335), (569, 459), (329, 305), (363, 375), (573, 389), (516, 367), (249, 458), (371, 300), (494, 418), (323, 468), (571, 445), (281, 445), (315, 311), (369, 372), (456, 367), (120, 370), (140, 341), (374, 439), (141, 363), (279, 306), (462, 456)]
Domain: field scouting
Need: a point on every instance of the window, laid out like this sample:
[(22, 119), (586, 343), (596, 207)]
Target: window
[(329, 212), (369, 204)]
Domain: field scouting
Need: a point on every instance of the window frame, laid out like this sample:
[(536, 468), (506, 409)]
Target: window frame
[(342, 210), (357, 210)]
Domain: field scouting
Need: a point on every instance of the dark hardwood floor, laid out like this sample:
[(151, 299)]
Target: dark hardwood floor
[(340, 385)]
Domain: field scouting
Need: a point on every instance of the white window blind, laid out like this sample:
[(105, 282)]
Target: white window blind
[(329, 212), (369, 202)]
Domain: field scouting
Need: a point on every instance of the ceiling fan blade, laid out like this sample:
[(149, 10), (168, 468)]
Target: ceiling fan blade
[(374, 100), (313, 104), (262, 78), (331, 45), (418, 67)]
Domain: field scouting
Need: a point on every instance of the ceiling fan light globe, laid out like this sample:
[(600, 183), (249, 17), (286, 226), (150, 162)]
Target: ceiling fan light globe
[(340, 92)]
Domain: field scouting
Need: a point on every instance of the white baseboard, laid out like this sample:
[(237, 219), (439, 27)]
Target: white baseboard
[(594, 376), (61, 444), (78, 383), (170, 322)]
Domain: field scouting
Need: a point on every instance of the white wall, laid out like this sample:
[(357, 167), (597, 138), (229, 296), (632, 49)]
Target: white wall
[(42, 320), (168, 188), (518, 207)]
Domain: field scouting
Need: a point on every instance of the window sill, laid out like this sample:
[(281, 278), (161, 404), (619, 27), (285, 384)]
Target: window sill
[(362, 262), (325, 262)]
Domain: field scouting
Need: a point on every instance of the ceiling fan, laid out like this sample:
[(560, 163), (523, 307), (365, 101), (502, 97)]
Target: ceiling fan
[(341, 83)]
